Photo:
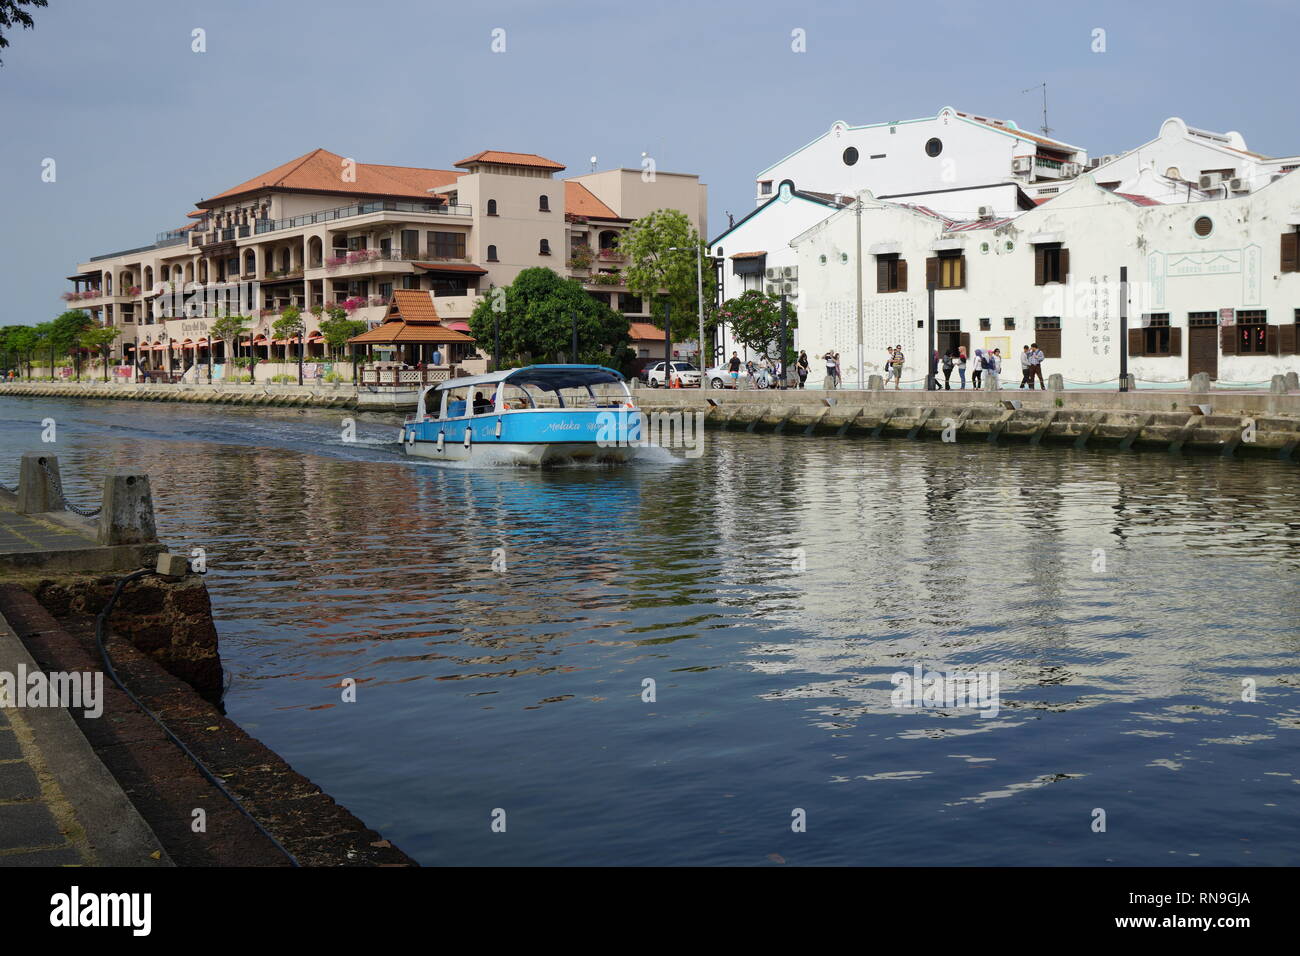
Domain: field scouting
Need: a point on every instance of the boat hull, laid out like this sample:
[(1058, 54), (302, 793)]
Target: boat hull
[(527, 437)]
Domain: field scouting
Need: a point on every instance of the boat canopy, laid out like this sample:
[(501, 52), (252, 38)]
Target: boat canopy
[(551, 378)]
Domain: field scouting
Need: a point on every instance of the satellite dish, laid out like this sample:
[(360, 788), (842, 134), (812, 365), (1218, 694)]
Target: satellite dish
[(593, 160)]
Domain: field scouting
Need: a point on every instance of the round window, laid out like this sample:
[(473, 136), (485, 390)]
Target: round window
[(850, 156), (844, 257), (823, 260), (1203, 226), (933, 146)]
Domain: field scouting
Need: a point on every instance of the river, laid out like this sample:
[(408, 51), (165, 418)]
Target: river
[(690, 661)]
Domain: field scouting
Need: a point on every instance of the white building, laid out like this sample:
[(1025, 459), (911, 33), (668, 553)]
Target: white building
[(1214, 283)]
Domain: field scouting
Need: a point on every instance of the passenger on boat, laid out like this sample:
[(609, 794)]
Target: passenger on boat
[(481, 404)]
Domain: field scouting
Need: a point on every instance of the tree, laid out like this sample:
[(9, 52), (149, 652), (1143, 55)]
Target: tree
[(755, 319), (98, 338), (290, 326), (65, 335), (12, 13), (664, 251), (18, 341), (536, 322), (229, 329), (337, 328)]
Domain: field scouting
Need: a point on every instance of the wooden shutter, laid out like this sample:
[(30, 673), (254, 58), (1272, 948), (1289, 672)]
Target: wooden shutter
[(1175, 341), (1065, 264), (1040, 265), (1228, 339), (1271, 344), (932, 272), (1291, 251), (1049, 340), (1136, 341), (1287, 339), (902, 274), (882, 274), (961, 265)]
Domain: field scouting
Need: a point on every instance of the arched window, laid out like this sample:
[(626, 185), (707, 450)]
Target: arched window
[(492, 254), (545, 248), (492, 207), (250, 262), (608, 239), (543, 203)]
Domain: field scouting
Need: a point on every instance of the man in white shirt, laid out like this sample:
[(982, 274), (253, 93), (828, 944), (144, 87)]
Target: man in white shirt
[(1036, 357), (1026, 376)]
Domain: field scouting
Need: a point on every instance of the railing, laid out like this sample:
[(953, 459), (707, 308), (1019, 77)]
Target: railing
[(359, 257), (404, 377), (361, 209), (1047, 163)]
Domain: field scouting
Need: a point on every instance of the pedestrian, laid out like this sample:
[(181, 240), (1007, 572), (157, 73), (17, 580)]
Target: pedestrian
[(896, 363), (1036, 357), (734, 367), (829, 360), (961, 365), (993, 370), (839, 372), (802, 368), (977, 369), (1026, 376), (948, 364)]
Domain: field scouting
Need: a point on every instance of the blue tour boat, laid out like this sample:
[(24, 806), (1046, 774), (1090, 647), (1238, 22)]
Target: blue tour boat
[(536, 415)]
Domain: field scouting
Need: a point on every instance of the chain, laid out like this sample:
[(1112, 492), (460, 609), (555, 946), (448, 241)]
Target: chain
[(58, 488)]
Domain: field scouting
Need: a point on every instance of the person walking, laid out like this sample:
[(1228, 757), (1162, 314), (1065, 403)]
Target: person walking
[(977, 370), (961, 365), (896, 365), (829, 359), (733, 367), (802, 368), (1026, 376), (1036, 357), (948, 364), (839, 372)]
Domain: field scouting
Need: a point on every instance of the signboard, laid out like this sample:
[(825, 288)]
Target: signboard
[(1227, 317)]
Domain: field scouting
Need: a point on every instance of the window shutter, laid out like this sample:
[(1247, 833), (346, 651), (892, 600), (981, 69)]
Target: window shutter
[(1049, 340), (932, 272), (1065, 264), (1291, 251), (1136, 341), (902, 275), (1175, 341), (1228, 339), (1040, 265), (1287, 339), (961, 272), (882, 274), (1271, 341)]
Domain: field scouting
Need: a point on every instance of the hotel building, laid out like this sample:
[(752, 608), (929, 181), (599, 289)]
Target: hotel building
[(323, 230)]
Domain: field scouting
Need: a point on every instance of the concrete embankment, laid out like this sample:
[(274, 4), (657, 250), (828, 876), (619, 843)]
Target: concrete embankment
[(304, 396), (1254, 424)]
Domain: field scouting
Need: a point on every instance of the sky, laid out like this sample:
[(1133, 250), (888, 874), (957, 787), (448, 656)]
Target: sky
[(140, 126)]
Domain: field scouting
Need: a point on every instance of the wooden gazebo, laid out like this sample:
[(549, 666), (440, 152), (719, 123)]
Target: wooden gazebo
[(413, 328)]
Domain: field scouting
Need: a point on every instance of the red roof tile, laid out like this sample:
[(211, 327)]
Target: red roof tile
[(322, 171), (748, 255), (1140, 200), (449, 267), (645, 331), (581, 201), (503, 158)]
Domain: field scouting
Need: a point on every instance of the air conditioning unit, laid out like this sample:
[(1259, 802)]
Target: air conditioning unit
[(1239, 185), (986, 212), (788, 288), (1209, 180), (1022, 164), (1070, 170), (774, 272), (774, 288), (790, 272)]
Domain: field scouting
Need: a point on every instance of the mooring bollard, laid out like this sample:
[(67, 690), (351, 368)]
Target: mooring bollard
[(1201, 382), (1132, 382), (127, 517), (40, 486), (1056, 382), (875, 383), (1293, 380), (1278, 385)]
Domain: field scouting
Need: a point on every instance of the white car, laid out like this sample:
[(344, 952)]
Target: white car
[(689, 374), (720, 377)]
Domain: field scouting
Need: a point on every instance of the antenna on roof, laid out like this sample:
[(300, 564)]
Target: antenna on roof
[(593, 164), (1047, 130)]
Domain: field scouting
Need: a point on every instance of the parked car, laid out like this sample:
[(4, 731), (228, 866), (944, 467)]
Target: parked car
[(654, 374), (720, 377)]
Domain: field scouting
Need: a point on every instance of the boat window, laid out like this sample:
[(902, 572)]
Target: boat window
[(457, 401), (432, 402)]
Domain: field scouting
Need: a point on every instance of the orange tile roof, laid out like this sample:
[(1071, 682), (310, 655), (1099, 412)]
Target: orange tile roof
[(413, 305), (196, 213), (581, 201), (321, 171), (449, 267), (395, 331), (642, 331), (503, 158)]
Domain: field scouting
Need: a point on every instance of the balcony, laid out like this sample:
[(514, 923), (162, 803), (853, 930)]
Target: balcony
[(264, 226), (364, 261)]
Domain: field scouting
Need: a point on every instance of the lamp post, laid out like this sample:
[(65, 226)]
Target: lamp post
[(1123, 328)]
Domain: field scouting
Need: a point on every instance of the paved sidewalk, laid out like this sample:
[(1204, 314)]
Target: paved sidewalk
[(59, 806)]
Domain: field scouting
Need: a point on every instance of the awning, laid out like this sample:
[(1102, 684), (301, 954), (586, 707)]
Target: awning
[(458, 268), (458, 325)]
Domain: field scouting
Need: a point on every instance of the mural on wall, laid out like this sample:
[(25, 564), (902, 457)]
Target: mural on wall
[(1247, 262)]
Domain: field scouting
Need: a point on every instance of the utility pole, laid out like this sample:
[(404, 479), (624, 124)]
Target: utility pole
[(668, 345), (699, 298), (785, 337), (1123, 328), (931, 376), (857, 212)]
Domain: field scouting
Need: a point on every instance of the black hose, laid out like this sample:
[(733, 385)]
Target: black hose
[(100, 623)]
